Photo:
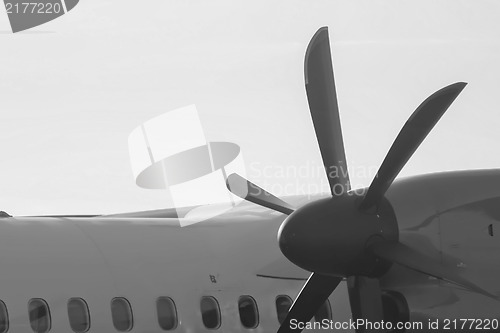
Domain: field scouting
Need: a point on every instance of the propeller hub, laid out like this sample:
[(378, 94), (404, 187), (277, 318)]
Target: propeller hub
[(330, 236)]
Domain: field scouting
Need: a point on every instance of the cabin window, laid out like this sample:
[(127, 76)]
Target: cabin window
[(39, 315), (210, 312), (249, 315), (167, 313), (4, 318), (121, 312), (283, 305), (324, 312), (78, 314)]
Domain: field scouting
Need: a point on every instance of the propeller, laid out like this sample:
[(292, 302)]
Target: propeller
[(253, 193), (314, 293), (322, 98), (350, 235), (409, 138)]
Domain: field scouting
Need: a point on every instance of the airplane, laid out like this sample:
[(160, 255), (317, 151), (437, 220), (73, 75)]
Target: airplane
[(420, 252)]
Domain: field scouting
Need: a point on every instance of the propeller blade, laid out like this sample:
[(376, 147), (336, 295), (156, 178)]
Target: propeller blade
[(249, 191), (409, 138), (365, 297), (322, 97), (403, 255), (314, 293)]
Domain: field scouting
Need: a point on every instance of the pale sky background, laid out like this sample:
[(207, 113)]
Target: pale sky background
[(73, 89)]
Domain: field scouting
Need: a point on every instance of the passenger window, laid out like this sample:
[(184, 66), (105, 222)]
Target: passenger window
[(4, 318), (121, 312), (39, 315), (210, 312), (324, 312), (167, 313), (78, 314), (283, 305), (249, 314)]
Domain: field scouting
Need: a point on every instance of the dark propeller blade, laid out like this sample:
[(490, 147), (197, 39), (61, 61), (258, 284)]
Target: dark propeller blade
[(403, 255), (365, 298), (314, 293), (409, 138), (322, 97), (253, 193)]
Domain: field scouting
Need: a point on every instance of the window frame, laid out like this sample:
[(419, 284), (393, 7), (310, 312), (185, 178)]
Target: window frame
[(49, 316), (87, 312), (130, 314), (173, 306), (276, 306), (255, 309), (6, 312), (218, 311)]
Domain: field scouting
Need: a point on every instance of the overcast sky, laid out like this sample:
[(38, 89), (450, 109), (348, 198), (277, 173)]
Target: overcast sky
[(72, 90)]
